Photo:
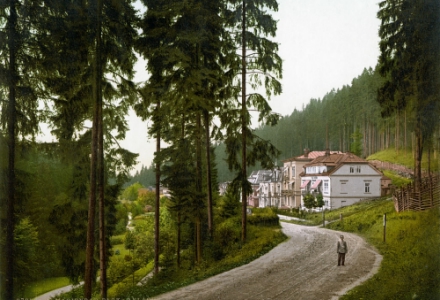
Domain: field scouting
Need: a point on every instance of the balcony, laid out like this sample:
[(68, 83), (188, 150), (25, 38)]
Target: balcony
[(287, 192)]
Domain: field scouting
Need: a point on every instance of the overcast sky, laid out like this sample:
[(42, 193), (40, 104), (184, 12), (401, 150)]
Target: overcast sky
[(324, 44)]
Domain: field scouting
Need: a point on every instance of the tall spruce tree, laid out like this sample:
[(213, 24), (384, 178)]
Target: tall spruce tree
[(75, 80), (410, 52), (260, 66), (184, 48), (20, 117)]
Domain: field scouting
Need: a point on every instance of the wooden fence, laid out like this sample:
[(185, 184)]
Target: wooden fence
[(428, 196)]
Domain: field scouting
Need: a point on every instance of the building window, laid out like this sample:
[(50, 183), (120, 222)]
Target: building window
[(367, 187), (343, 187), (351, 169), (293, 172), (325, 186), (358, 169)]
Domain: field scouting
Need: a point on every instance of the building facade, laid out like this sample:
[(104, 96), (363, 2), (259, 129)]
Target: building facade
[(342, 179), (292, 167)]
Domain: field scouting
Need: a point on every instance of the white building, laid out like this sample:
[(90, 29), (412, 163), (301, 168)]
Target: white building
[(292, 167), (266, 188), (342, 179)]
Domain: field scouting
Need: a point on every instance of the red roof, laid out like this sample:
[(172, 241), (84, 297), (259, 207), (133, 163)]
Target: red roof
[(310, 156)]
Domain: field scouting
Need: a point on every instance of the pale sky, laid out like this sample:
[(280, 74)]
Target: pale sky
[(324, 44)]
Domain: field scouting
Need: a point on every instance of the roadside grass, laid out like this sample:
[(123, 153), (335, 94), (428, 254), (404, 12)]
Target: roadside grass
[(316, 218), (260, 240), (411, 252), (122, 250), (48, 284), (43, 286), (398, 181), (130, 281), (404, 157)]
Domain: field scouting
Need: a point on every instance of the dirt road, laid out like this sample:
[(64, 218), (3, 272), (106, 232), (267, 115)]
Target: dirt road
[(303, 267)]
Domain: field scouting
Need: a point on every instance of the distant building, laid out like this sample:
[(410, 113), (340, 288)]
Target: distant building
[(266, 188), (291, 186), (223, 187), (342, 178)]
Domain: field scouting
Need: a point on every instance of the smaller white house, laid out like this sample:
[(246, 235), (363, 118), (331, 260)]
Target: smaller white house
[(266, 188), (343, 179)]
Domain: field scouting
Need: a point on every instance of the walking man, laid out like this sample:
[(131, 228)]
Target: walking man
[(342, 250)]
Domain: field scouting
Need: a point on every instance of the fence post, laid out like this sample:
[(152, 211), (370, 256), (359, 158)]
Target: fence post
[(384, 227), (431, 192)]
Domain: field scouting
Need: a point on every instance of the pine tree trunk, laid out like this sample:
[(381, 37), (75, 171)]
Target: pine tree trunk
[(418, 160), (179, 226), (157, 202), (198, 186), (88, 278), (406, 146), (208, 172), (100, 174), (397, 142), (12, 120), (365, 146), (243, 128)]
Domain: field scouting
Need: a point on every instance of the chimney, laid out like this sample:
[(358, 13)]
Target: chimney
[(306, 152)]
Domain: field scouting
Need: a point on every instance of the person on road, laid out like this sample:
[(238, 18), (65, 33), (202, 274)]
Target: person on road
[(342, 250)]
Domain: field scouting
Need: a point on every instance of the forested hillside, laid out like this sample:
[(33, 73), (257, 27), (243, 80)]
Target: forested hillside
[(345, 119)]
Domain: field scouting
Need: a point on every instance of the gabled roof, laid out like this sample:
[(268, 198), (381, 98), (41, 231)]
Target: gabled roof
[(336, 161), (310, 156), (260, 176)]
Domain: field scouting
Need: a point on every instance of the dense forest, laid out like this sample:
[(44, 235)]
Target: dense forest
[(70, 64), (337, 121)]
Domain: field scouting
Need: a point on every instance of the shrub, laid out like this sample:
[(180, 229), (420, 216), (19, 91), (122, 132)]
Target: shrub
[(264, 219), (116, 240), (228, 232)]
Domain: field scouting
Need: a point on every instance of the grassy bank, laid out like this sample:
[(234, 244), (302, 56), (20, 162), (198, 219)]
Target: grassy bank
[(43, 286), (404, 157), (411, 253), (260, 240)]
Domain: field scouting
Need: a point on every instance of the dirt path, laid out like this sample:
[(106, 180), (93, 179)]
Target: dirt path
[(303, 267)]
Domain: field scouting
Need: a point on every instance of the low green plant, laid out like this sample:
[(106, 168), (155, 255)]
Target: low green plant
[(404, 157), (411, 251), (260, 240), (117, 239), (396, 180), (130, 281), (45, 285)]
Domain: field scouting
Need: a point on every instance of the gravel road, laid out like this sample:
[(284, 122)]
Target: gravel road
[(303, 267)]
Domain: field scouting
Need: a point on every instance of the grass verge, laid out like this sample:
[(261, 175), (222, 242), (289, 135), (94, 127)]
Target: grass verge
[(260, 240), (411, 252), (45, 285), (404, 157)]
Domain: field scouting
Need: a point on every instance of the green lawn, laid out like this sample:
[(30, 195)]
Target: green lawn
[(45, 285), (405, 158), (122, 250), (411, 252)]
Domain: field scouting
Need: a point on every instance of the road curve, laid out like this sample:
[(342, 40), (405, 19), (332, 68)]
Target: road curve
[(303, 267)]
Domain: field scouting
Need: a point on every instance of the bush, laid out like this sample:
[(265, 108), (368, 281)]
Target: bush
[(263, 216), (120, 227), (264, 219), (116, 240), (228, 232)]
